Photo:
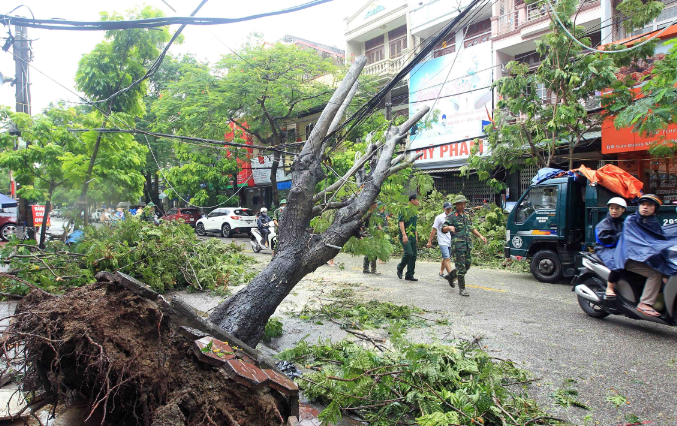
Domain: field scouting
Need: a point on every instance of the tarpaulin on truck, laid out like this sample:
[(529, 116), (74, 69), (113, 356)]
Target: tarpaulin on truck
[(614, 179), (546, 173)]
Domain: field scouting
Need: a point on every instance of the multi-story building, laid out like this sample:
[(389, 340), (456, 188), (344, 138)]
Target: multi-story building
[(455, 78)]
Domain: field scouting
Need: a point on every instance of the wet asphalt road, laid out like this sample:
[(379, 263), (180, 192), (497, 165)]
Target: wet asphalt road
[(539, 326)]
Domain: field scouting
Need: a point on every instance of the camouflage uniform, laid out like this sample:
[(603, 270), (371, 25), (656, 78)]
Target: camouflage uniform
[(410, 250), (461, 245)]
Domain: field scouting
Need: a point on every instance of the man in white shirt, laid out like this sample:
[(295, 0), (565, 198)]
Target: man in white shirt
[(443, 239)]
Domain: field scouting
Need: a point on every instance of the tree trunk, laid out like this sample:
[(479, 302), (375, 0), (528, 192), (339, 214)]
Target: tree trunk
[(300, 251), (90, 170), (273, 179), (48, 209)]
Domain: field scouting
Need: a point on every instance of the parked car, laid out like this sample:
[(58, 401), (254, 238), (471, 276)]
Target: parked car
[(8, 223), (95, 216), (227, 220), (55, 213), (190, 216)]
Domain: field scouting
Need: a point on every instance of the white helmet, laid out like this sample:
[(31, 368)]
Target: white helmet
[(618, 200), (264, 210)]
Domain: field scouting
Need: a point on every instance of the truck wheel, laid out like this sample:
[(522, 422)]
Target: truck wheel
[(591, 308), (546, 266)]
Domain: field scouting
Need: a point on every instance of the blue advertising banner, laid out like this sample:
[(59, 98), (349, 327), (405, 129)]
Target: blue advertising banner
[(457, 88)]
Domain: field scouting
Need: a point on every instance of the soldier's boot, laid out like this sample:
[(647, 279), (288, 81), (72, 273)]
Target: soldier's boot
[(461, 286), (451, 278)]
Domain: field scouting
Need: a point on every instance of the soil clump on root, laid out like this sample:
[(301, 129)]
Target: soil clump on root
[(124, 355)]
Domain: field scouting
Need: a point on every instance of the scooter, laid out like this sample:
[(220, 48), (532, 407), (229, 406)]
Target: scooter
[(256, 239), (590, 287)]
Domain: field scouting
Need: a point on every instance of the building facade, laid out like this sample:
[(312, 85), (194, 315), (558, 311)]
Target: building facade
[(455, 80)]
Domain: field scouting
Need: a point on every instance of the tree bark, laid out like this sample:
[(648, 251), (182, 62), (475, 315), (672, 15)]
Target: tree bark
[(48, 209), (90, 170), (300, 251), (151, 191), (273, 179)]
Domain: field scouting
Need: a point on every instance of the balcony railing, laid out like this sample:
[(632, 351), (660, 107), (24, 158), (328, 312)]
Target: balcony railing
[(508, 22), (387, 66), (535, 11), (480, 38)]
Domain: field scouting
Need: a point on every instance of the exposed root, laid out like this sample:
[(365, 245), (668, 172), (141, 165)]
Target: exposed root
[(123, 355)]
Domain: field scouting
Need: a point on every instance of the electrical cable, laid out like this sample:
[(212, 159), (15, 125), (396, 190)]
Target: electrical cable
[(158, 62), (574, 39), (368, 108), (59, 24)]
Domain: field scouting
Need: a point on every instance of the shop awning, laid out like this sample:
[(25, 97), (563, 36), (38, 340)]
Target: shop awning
[(6, 202), (449, 169)]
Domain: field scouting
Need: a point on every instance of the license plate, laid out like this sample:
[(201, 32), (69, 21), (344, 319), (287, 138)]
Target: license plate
[(192, 219)]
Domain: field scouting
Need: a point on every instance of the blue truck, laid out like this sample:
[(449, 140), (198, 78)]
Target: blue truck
[(554, 221)]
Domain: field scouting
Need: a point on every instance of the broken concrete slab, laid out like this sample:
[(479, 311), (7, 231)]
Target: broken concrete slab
[(105, 277), (212, 351), (135, 286), (192, 333), (11, 404)]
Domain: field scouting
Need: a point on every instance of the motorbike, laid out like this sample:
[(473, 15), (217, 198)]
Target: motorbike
[(590, 287), (256, 239)]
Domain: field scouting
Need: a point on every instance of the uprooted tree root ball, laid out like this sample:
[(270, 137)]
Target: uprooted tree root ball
[(123, 354)]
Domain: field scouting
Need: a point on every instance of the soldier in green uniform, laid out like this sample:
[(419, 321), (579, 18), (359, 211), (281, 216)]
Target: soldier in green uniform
[(277, 213), (460, 225), (408, 237)]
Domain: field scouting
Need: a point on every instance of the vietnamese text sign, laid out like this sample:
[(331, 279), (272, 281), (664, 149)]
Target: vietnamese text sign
[(38, 215), (261, 166), (457, 88)]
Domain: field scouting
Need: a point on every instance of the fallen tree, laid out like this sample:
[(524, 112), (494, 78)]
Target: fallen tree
[(136, 359), (300, 251)]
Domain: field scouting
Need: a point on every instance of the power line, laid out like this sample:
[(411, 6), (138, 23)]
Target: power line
[(156, 65), (59, 24)]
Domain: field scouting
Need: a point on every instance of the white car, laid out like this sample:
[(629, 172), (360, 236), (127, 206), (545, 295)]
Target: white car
[(227, 220), (96, 215)]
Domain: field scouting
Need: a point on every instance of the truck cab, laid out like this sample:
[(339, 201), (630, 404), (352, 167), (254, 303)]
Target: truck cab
[(554, 220)]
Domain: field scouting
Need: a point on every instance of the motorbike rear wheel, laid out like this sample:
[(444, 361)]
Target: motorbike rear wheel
[(591, 308)]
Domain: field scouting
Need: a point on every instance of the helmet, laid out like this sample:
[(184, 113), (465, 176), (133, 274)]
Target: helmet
[(264, 210), (447, 205), (650, 198), (459, 199), (283, 201), (618, 200)]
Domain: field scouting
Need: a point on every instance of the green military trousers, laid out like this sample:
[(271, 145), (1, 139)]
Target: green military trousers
[(408, 258)]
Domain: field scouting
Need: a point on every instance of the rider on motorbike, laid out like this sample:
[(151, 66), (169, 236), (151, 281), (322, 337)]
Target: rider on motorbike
[(640, 250), (263, 223), (607, 233)]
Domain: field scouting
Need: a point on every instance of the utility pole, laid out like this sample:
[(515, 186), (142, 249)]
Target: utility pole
[(22, 57)]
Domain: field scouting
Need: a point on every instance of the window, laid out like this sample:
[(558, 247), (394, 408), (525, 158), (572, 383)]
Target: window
[(219, 212), (668, 14), (538, 198), (397, 41), (478, 32), (309, 129), (373, 49), (446, 46), (190, 211), (541, 91), (243, 212), (172, 211)]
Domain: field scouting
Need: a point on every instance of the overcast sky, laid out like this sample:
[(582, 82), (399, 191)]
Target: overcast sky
[(56, 53)]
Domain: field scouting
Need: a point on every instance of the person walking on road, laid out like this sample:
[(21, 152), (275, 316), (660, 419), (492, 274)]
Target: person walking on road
[(443, 240), (363, 233), (460, 225), (277, 214), (408, 237)]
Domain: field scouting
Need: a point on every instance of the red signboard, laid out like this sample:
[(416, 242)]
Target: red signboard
[(244, 176), (38, 215)]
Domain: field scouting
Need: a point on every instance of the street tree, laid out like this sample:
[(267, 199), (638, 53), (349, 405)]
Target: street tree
[(261, 88), (39, 168), (651, 108), (300, 250), (114, 64), (550, 112)]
